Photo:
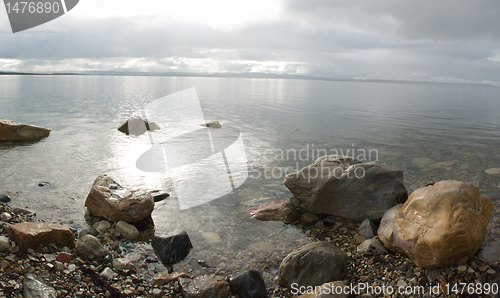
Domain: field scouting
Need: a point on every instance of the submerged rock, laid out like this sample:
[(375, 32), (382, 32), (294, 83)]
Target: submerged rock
[(439, 225), (276, 210), (31, 234), (109, 200), (205, 286), (13, 131), (348, 188), (312, 265), (33, 288), (248, 284), (173, 248), (136, 126)]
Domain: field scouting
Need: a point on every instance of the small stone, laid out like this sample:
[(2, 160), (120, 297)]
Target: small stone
[(248, 284), (308, 219), (205, 286), (165, 277), (5, 216), (58, 266), (90, 231), (4, 244), (127, 230), (18, 210), (401, 284), (64, 257), (462, 268), (35, 288), (482, 268), (367, 229), (373, 246), (102, 226), (157, 292), (4, 198), (213, 124), (123, 264), (493, 171), (90, 245), (470, 270), (107, 273), (490, 271), (359, 238), (71, 267)]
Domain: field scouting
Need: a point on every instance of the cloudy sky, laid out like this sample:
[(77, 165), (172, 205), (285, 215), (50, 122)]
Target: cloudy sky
[(446, 40)]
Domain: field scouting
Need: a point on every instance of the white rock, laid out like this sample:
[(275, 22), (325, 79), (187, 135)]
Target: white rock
[(107, 273), (102, 226), (127, 230), (122, 264), (6, 217), (71, 267)]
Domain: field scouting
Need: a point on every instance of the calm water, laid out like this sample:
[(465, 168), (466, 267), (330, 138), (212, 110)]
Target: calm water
[(397, 123)]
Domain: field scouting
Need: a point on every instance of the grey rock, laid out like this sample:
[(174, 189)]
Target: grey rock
[(127, 230), (89, 245), (490, 253), (348, 188), (172, 249), (373, 246), (33, 288), (102, 226), (312, 265), (4, 244), (107, 273), (367, 229), (248, 284)]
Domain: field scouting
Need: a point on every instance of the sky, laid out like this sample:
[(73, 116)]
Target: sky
[(444, 41)]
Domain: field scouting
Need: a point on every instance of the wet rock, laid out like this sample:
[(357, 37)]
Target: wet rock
[(31, 234), (166, 277), (439, 225), (89, 245), (4, 244), (205, 286), (276, 210), (107, 273), (5, 216), (64, 257), (127, 230), (493, 171), (312, 265), (367, 229), (43, 183), (123, 264), (4, 198), (490, 253), (33, 288), (372, 246), (136, 126), (102, 226), (118, 204), (329, 290), (13, 131), (308, 219), (248, 284), (213, 124), (172, 249), (348, 188)]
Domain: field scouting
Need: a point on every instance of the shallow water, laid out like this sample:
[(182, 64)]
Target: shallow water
[(285, 125)]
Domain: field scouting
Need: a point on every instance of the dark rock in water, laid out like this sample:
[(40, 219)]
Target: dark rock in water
[(367, 229), (33, 288), (172, 249), (42, 184), (248, 284), (4, 198), (136, 126), (346, 187), (159, 195), (205, 286)]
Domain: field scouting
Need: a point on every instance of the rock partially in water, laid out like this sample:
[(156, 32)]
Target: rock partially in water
[(33, 288), (89, 245), (172, 249), (205, 286), (13, 131), (31, 234), (312, 265), (248, 284), (212, 123), (127, 230), (276, 210), (490, 253), (4, 244), (348, 188), (136, 126), (4, 198), (371, 246), (108, 200), (367, 229), (439, 225), (159, 195), (107, 273)]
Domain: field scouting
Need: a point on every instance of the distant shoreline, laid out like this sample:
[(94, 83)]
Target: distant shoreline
[(244, 75)]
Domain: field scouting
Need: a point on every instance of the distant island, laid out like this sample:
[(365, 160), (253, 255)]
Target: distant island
[(254, 75)]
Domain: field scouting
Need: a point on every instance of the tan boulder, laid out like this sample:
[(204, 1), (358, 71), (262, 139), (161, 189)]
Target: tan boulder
[(109, 200), (14, 131), (31, 234), (439, 225)]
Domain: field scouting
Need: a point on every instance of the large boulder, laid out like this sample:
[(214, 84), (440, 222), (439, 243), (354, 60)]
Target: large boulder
[(109, 200), (312, 265), (31, 234), (348, 188), (439, 225), (14, 131)]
